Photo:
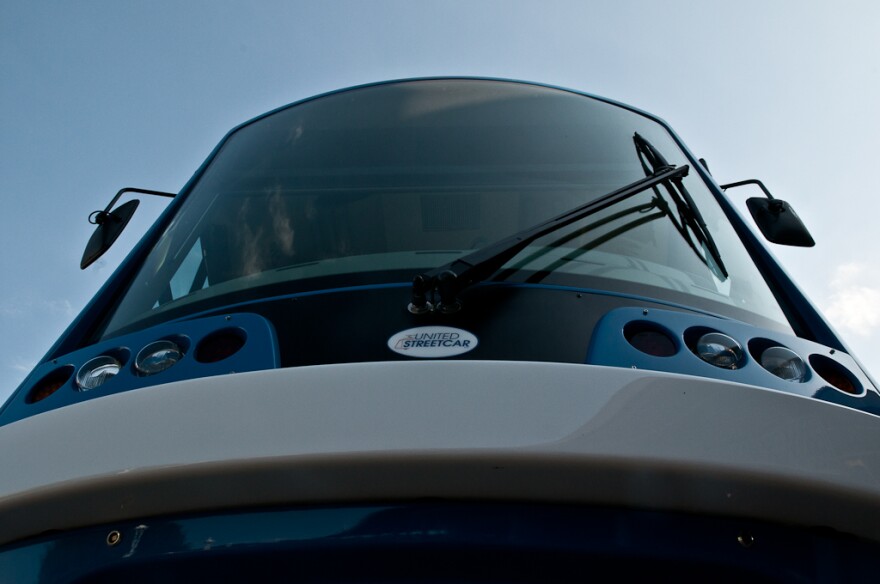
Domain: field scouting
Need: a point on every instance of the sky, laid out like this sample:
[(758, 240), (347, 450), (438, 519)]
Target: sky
[(99, 95)]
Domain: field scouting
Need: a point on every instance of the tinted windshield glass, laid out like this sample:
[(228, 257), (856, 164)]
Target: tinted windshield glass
[(407, 176)]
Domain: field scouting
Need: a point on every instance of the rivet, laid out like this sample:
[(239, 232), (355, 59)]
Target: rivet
[(228, 317), (745, 539), (114, 537)]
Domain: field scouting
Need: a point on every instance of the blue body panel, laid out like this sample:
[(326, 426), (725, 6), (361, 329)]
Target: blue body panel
[(610, 347), (441, 542), (259, 352)]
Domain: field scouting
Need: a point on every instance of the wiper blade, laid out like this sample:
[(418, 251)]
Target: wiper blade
[(450, 279), (689, 214)]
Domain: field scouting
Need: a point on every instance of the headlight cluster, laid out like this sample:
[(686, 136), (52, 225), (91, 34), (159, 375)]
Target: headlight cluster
[(726, 352), (155, 357)]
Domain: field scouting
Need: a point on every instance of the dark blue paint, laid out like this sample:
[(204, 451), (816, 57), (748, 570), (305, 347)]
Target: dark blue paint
[(440, 542)]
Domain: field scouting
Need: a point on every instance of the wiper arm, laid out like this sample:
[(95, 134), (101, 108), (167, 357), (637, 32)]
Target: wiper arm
[(450, 279), (689, 213), (646, 217)]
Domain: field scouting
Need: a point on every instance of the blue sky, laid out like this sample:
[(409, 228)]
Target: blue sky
[(100, 95)]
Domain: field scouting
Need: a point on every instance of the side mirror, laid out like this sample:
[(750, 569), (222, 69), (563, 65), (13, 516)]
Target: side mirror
[(110, 225), (779, 223), (775, 218)]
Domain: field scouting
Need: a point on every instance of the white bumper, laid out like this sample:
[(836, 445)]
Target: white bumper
[(400, 431)]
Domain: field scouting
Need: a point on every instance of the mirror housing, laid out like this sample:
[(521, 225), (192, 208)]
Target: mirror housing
[(779, 223), (775, 218), (110, 224)]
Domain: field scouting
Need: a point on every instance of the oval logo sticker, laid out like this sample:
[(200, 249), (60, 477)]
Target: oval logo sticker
[(431, 342)]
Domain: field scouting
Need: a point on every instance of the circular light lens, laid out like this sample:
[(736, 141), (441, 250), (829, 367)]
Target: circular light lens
[(836, 374), (157, 357), (50, 384), (784, 363), (220, 345), (97, 372), (649, 339), (719, 350)]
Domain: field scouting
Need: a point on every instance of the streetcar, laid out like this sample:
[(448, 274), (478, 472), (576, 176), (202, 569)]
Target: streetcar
[(445, 329)]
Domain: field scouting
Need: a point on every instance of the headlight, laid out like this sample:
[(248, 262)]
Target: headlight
[(157, 357), (784, 363), (97, 372), (719, 350)]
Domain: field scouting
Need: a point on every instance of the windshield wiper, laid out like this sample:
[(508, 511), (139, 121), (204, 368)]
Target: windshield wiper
[(646, 217), (689, 224), (689, 214), (450, 279)]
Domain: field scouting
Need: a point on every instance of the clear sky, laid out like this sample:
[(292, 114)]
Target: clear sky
[(97, 95)]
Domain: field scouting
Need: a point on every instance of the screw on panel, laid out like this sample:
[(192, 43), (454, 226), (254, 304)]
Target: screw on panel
[(579, 295), (113, 538), (645, 312), (745, 539), (228, 317), (832, 352)]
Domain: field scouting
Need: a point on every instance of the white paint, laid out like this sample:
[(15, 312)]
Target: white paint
[(406, 430)]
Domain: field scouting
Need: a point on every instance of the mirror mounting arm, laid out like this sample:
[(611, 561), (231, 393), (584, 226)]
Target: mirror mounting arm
[(751, 181), (99, 217), (775, 204), (775, 218)]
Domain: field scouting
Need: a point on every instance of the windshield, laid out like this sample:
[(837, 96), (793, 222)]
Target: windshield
[(390, 180)]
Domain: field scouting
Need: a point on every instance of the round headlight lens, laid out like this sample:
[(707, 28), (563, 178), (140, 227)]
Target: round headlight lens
[(719, 350), (97, 372), (157, 357), (784, 363)]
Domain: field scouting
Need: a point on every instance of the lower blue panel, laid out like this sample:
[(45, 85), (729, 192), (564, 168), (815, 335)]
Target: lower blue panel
[(441, 542)]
